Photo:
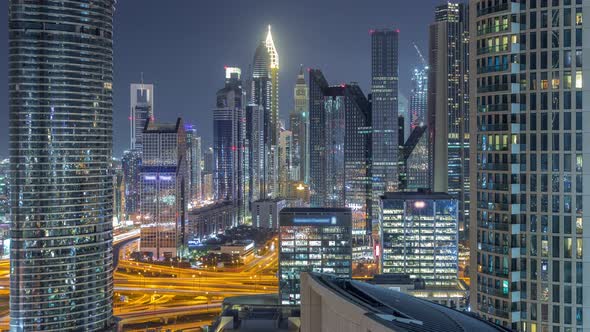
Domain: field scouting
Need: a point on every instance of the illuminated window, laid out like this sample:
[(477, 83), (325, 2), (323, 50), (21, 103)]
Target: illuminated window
[(579, 19), (578, 79)]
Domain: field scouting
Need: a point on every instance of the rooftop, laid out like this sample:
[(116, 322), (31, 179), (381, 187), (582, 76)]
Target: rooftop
[(402, 312)]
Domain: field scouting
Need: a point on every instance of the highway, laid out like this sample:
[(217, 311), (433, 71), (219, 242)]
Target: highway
[(159, 291)]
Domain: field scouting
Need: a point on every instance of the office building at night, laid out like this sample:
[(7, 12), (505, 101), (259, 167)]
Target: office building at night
[(312, 240), (265, 213), (340, 148), (448, 106), (193, 156), (164, 190), (384, 113), (229, 133), (142, 110), (417, 105), (211, 219), (299, 126), (265, 93), (529, 88), (414, 162), (418, 234), (131, 163), (61, 117)]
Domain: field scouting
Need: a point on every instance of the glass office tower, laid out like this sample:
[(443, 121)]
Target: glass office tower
[(384, 112), (419, 236), (314, 240), (529, 172), (60, 97)]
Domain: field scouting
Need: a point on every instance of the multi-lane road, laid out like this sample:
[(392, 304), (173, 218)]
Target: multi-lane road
[(157, 291)]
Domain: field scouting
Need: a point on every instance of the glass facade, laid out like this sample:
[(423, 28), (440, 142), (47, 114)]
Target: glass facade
[(384, 113), (529, 66), (419, 237), (312, 240), (448, 106), (142, 110), (164, 190), (60, 97), (340, 159)]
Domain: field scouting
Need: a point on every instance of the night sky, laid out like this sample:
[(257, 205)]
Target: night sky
[(181, 46)]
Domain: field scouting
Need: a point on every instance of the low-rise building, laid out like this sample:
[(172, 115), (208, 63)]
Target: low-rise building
[(314, 240), (211, 219), (419, 236), (344, 305)]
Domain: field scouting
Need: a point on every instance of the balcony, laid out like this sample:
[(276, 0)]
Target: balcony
[(491, 310), (493, 88), (492, 291), (493, 108), (501, 250), (492, 10), (494, 167), (493, 29), (493, 49), (493, 127), (492, 69), (498, 226)]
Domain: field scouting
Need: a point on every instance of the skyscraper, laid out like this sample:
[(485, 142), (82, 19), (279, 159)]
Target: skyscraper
[(285, 150), (299, 126), (256, 152), (229, 133), (131, 163), (164, 190), (414, 163), (529, 69), (340, 147), (265, 92), (448, 105), (60, 97), (142, 110), (193, 143), (418, 97), (384, 112)]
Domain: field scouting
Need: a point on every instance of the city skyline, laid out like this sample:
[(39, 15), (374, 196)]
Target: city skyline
[(183, 86)]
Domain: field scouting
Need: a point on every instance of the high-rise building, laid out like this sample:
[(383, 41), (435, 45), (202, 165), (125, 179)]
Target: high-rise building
[(4, 191), (60, 102), (384, 112), (142, 110), (265, 93), (340, 148), (256, 153), (448, 105), (193, 143), (229, 132), (299, 126), (419, 236), (164, 190), (529, 109), (119, 214), (418, 106), (131, 163), (312, 240), (285, 150), (208, 161), (414, 162)]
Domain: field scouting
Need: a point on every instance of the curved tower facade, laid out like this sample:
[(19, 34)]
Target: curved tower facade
[(60, 97)]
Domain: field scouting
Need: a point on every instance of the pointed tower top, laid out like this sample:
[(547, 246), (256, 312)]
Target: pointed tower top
[(301, 75), (270, 46)]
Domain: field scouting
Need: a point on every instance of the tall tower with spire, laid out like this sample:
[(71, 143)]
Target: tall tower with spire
[(265, 93)]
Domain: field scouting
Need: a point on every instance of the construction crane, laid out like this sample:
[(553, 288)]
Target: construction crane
[(420, 54)]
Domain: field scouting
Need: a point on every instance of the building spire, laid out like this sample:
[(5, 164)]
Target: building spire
[(270, 46)]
